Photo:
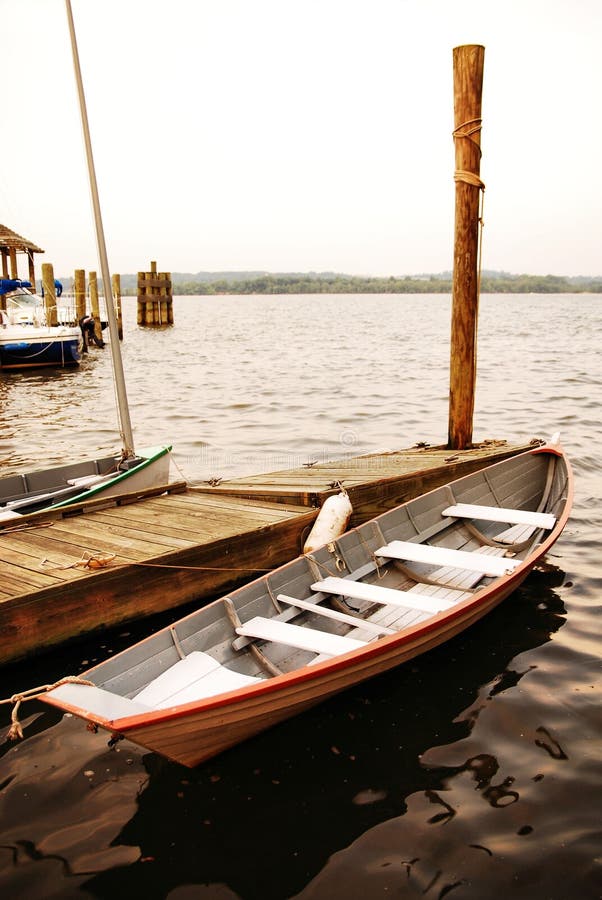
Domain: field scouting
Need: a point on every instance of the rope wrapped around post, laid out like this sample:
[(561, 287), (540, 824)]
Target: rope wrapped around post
[(466, 131)]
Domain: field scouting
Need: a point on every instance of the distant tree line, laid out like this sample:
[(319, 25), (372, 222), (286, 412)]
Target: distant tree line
[(344, 284), (304, 284), (333, 283)]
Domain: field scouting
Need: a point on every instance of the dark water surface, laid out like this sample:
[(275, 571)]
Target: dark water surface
[(472, 772)]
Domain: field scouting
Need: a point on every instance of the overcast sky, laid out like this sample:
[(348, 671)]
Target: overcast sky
[(299, 135)]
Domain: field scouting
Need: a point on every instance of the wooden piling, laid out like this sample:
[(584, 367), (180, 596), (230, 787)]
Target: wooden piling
[(116, 284), (153, 309), (95, 306), (468, 63), (165, 301), (31, 269), (155, 301), (49, 293), (79, 290), (12, 255)]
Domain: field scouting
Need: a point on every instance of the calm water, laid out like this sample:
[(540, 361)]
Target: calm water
[(474, 772)]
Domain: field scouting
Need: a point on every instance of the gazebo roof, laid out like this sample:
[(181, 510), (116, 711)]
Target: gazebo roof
[(9, 240)]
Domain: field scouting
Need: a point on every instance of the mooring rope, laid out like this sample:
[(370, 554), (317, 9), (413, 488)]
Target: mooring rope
[(466, 131), (196, 568), (25, 527), (469, 178), (315, 565), (102, 560), (88, 560), (179, 468), (16, 731)]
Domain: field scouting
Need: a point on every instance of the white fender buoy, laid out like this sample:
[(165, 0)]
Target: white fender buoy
[(331, 522)]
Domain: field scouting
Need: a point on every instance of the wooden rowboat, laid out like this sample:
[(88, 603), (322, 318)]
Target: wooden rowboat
[(381, 594)]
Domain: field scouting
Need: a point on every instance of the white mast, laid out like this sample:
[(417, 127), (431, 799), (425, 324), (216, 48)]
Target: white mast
[(122, 400)]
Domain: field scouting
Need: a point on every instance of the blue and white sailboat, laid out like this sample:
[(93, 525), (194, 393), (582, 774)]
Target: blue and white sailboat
[(27, 339)]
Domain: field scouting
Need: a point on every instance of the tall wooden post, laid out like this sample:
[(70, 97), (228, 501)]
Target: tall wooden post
[(4, 257), (79, 290), (162, 302), (140, 307), (149, 304), (153, 310), (468, 86), (95, 306), (49, 293), (116, 283), (31, 269)]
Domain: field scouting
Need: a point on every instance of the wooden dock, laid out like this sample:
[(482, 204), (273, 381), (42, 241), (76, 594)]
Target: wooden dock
[(177, 543), (375, 482)]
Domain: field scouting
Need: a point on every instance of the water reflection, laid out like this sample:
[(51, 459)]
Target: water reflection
[(469, 773), (549, 744), (264, 818)]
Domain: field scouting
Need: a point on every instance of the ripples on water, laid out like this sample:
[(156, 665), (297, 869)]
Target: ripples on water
[(472, 772)]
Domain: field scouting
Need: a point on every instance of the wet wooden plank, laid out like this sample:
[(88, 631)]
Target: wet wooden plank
[(99, 535), (375, 482), (44, 550), (44, 516), (15, 582), (24, 569), (179, 531)]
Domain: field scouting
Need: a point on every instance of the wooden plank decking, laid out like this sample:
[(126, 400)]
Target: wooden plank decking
[(375, 482), (169, 550), (175, 545)]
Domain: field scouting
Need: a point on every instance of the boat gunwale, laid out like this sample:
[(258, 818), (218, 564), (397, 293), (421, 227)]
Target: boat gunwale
[(148, 456), (153, 454)]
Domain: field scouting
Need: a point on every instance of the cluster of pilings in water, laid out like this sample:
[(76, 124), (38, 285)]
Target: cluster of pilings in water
[(155, 300), (81, 308)]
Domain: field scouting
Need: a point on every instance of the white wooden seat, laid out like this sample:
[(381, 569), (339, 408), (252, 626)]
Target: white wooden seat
[(87, 481), (516, 534), (335, 614), (374, 593), (96, 700), (5, 515), (499, 514), (442, 556), (296, 636), (40, 497), (33, 498), (196, 676)]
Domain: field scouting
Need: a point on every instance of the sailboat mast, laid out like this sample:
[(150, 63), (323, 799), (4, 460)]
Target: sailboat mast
[(122, 401)]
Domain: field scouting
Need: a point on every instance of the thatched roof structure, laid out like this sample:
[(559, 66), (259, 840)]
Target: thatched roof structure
[(10, 240), (12, 243)]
